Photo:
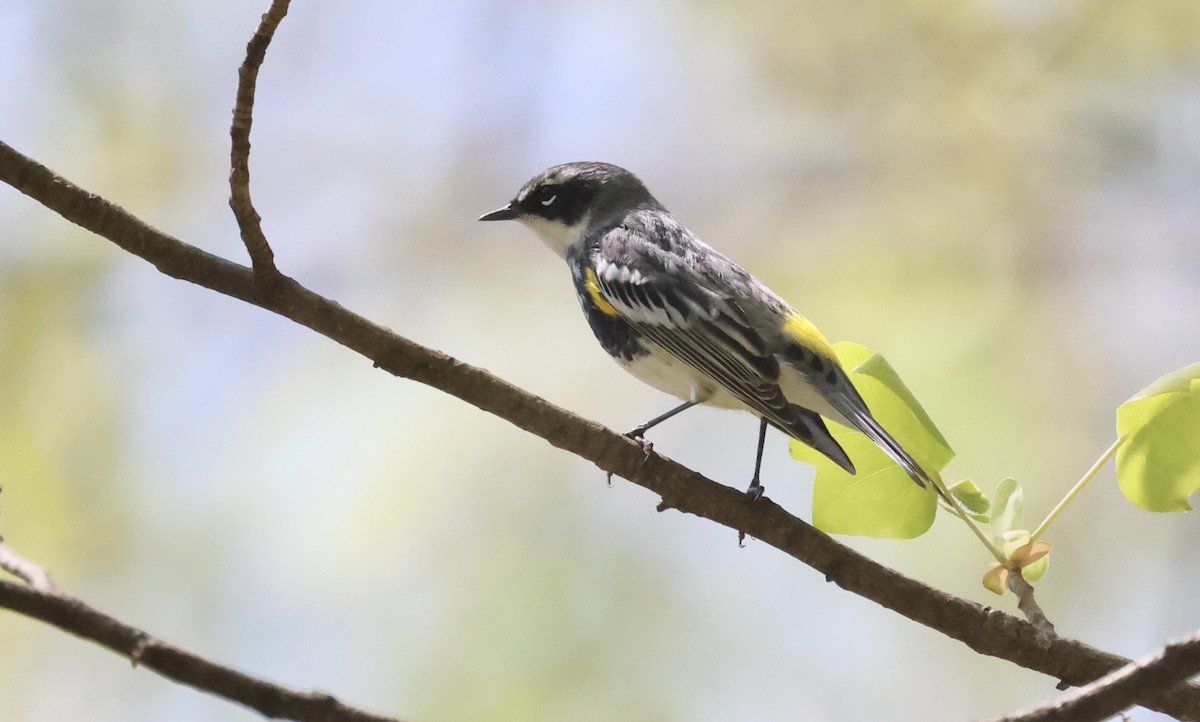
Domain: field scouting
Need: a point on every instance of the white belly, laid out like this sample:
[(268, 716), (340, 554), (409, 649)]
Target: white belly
[(672, 376)]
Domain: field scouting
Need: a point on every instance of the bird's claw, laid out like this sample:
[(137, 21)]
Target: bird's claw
[(755, 492), (636, 435)]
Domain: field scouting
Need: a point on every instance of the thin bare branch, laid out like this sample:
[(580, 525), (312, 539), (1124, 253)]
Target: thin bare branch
[(177, 664), (1029, 606), (1122, 689), (982, 629), (261, 256)]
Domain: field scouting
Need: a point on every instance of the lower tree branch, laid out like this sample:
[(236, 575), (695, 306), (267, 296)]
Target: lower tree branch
[(984, 630), (1123, 688), (143, 650)]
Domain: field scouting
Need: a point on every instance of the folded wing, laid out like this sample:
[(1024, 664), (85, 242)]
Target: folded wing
[(712, 335)]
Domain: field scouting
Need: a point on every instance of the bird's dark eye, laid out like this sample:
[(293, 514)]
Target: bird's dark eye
[(548, 201)]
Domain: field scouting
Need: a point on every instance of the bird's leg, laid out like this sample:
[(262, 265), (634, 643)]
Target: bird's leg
[(756, 489), (638, 432)]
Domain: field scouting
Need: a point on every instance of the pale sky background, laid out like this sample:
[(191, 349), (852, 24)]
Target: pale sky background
[(1002, 197)]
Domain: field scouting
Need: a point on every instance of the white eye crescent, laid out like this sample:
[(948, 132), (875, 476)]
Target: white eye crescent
[(550, 200)]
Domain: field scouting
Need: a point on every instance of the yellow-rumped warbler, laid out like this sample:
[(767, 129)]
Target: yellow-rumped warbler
[(688, 321)]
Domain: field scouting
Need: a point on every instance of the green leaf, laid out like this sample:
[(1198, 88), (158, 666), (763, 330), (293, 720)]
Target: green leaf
[(929, 442), (880, 500), (1158, 466), (1034, 571), (1008, 511), (972, 499), (876, 502)]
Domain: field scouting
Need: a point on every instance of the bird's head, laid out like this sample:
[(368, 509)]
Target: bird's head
[(564, 203)]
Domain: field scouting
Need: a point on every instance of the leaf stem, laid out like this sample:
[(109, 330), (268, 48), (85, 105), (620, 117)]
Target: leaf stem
[(957, 509), (1079, 485)]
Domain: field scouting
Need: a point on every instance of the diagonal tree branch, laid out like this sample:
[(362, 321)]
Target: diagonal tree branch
[(1122, 689), (984, 630), (177, 664)]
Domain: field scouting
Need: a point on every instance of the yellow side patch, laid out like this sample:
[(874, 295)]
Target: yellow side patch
[(803, 332), (592, 285)]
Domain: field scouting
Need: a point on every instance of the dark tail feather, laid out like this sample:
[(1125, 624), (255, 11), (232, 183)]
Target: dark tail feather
[(870, 428), (809, 428)]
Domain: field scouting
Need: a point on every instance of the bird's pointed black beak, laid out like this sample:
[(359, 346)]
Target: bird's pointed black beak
[(500, 214)]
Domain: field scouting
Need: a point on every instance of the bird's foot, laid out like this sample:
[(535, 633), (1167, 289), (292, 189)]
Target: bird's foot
[(646, 445), (755, 492), (638, 435)]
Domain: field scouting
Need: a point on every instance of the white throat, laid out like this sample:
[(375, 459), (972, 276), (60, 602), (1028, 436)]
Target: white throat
[(557, 235)]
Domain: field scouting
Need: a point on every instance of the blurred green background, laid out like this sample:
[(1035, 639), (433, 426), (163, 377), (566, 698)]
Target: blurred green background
[(1001, 196)]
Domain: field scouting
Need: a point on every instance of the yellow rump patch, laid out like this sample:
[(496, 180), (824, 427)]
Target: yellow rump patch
[(591, 284), (803, 332)]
